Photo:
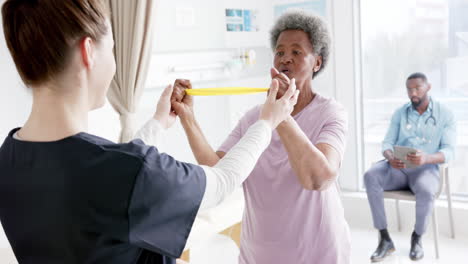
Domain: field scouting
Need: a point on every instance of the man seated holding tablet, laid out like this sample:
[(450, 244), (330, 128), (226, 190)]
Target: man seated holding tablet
[(421, 135)]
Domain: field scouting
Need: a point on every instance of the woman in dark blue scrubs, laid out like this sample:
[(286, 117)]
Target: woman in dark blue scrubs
[(67, 196)]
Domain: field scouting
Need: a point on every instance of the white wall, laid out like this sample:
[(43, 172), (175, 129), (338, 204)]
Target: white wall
[(184, 25)]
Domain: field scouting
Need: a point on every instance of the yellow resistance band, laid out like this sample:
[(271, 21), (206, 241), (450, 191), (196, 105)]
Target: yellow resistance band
[(225, 91)]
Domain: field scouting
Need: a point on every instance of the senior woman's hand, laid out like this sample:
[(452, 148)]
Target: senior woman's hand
[(182, 103), (283, 81), (180, 85), (276, 110)]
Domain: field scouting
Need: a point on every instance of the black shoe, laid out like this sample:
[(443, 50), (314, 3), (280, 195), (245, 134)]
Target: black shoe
[(384, 248), (416, 252)]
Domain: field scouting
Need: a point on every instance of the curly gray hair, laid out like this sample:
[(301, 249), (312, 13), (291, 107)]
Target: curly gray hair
[(313, 25)]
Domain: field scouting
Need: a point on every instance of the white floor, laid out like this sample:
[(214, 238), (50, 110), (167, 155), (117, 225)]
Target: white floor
[(451, 251), (364, 242)]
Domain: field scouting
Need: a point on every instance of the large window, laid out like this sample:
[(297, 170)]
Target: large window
[(400, 37)]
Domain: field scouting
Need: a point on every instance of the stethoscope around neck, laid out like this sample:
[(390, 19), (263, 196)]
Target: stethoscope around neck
[(431, 117)]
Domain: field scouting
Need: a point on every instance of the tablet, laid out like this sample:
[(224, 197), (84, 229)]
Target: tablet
[(400, 152)]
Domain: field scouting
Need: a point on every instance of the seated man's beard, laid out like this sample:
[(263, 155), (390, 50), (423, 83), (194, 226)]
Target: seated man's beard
[(417, 102)]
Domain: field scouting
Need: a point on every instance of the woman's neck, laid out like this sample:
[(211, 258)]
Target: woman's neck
[(306, 96), (55, 116)]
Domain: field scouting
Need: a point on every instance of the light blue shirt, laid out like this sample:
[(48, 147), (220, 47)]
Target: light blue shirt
[(433, 131)]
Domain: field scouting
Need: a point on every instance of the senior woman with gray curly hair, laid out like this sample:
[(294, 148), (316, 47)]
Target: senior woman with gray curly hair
[(293, 212)]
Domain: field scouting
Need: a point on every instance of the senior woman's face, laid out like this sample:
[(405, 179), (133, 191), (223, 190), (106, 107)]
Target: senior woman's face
[(294, 56)]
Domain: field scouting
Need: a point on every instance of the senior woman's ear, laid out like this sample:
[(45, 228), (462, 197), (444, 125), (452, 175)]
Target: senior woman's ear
[(318, 63)]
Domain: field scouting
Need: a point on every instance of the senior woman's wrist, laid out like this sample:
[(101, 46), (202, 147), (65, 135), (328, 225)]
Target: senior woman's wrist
[(186, 116), (286, 123), (188, 121)]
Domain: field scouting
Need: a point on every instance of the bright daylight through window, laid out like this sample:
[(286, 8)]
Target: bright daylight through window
[(400, 37)]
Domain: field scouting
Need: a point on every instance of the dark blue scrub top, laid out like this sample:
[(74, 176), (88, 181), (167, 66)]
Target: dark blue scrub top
[(84, 199)]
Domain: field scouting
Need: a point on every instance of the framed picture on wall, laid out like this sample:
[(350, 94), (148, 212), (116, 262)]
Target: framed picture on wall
[(242, 20)]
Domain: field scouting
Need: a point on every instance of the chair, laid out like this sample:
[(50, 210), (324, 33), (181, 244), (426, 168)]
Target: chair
[(407, 195)]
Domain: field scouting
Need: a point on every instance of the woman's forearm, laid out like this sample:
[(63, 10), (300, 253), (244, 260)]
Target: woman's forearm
[(236, 165), (150, 133), (203, 152), (308, 162)]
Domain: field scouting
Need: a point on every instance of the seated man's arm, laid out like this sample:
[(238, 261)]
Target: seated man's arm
[(391, 139), (449, 138), (446, 147), (420, 158)]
